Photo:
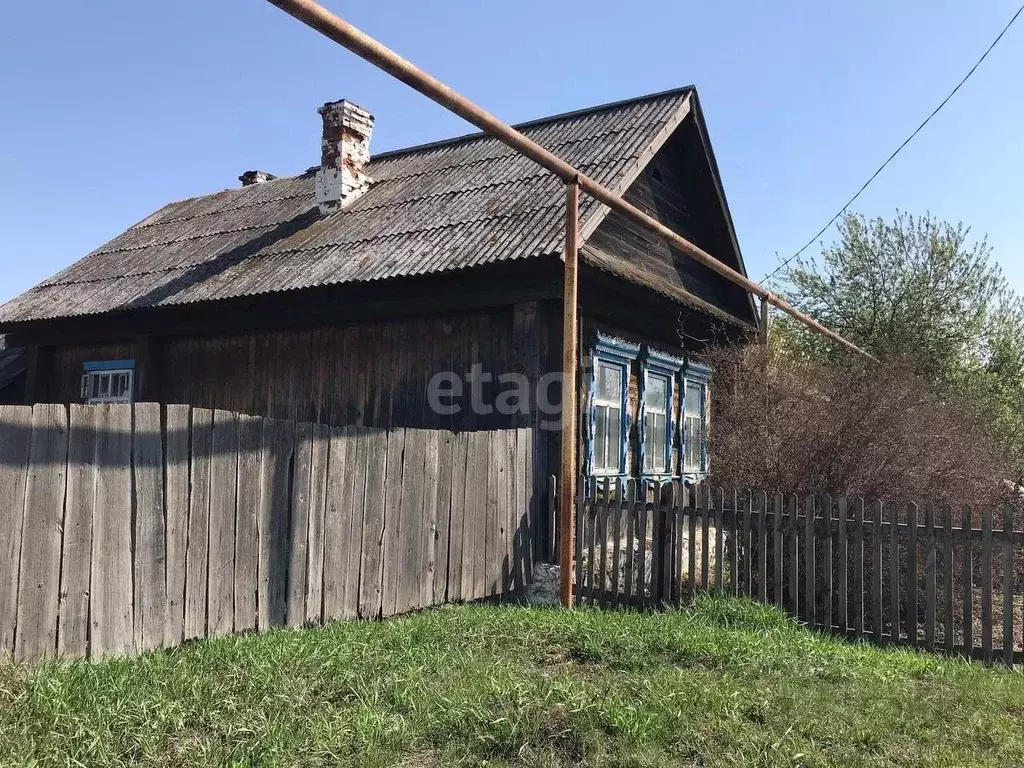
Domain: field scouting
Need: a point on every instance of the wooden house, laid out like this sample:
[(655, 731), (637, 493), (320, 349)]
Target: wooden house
[(419, 287)]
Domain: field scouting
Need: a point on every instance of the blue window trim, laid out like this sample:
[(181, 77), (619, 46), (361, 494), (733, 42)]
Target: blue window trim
[(658, 364), (109, 365), (696, 373), (621, 353)]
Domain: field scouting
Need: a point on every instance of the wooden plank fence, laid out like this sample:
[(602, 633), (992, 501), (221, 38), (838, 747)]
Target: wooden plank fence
[(132, 527), (908, 575)]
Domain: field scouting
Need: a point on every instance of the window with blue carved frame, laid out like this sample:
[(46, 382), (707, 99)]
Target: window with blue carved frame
[(108, 381), (609, 400), (657, 420), (695, 420)]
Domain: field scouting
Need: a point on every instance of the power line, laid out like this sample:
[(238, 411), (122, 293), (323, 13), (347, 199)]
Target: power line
[(898, 149)]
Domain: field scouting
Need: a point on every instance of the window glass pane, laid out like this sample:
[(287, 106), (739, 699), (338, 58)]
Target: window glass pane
[(662, 433), (694, 394), (694, 436), (600, 437), (614, 438), (94, 386), (105, 385), (609, 383), (650, 450), (657, 393)]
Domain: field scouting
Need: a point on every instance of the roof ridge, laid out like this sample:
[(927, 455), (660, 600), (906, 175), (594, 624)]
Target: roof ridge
[(534, 122)]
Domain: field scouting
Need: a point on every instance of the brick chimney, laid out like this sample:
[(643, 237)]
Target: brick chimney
[(255, 177), (345, 150)]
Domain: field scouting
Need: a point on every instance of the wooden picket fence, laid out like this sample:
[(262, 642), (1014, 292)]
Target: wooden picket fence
[(126, 528), (911, 574)]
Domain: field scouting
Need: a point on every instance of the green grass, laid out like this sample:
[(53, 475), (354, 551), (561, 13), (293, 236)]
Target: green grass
[(724, 683)]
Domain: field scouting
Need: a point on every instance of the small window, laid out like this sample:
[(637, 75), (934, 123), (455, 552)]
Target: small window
[(695, 423), (657, 445), (109, 382), (609, 420), (609, 395)]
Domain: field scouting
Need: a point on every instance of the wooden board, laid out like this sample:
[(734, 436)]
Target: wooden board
[(523, 514), (197, 549), (111, 610), (354, 503), (317, 504), (911, 575), (930, 559), (403, 500), (151, 628), (967, 576), (371, 568), (475, 518), (15, 440), (429, 519), (274, 509), (337, 522), (456, 536), (41, 535), (298, 556), (842, 561), (250, 449), (179, 427), (443, 519), (809, 562), (223, 499), (76, 555)]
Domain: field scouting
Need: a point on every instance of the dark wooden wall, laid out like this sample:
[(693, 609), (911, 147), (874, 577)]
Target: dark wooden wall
[(366, 373), (372, 373), (61, 378), (678, 189)]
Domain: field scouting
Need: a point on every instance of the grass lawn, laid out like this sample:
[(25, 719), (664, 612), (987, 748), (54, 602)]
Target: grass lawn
[(724, 683)]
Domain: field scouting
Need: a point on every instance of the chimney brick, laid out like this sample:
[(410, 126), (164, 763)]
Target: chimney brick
[(345, 150)]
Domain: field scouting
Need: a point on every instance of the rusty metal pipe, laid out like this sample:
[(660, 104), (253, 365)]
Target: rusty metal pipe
[(343, 33), (570, 393)]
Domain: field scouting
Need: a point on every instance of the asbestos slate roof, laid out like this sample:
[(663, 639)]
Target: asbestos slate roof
[(435, 208)]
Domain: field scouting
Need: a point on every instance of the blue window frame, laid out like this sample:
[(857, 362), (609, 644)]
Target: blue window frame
[(108, 381), (696, 381), (657, 417), (608, 424)]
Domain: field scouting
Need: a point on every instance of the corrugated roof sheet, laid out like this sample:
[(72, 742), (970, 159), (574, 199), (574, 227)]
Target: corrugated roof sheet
[(444, 206)]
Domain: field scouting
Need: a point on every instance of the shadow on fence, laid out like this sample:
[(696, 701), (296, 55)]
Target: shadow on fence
[(912, 575), (131, 527)]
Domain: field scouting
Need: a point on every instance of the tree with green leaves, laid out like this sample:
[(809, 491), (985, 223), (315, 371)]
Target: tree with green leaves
[(920, 289)]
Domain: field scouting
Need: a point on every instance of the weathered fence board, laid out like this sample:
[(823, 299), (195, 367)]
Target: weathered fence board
[(371, 570), (131, 527), (41, 537), (150, 596), (338, 521), (298, 536), (250, 449), (317, 511), (865, 573), (391, 554), (111, 608), (274, 528), (355, 489), (15, 440), (76, 557), (197, 548), (178, 444)]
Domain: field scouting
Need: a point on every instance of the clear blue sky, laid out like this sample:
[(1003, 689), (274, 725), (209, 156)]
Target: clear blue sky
[(112, 109)]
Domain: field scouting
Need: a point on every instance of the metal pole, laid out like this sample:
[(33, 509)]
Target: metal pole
[(764, 322), (570, 393), (343, 33)]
